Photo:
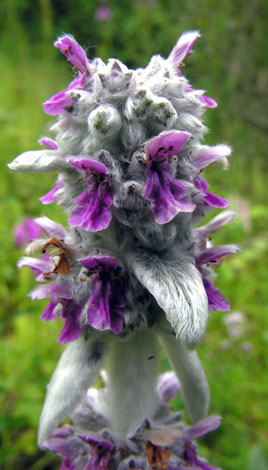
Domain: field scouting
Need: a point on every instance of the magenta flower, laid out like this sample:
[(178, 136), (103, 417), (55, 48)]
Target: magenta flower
[(101, 454), (208, 102), (52, 195), (210, 255), (92, 210), (60, 295), (209, 199), (77, 56), (47, 142), (168, 386), (168, 195), (103, 13), (183, 48), (63, 442), (74, 53), (216, 301), (54, 105), (39, 266), (211, 155), (26, 232), (51, 228), (198, 430), (202, 233), (105, 305)]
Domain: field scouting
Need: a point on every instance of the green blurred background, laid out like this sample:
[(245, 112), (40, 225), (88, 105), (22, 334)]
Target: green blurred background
[(230, 63)]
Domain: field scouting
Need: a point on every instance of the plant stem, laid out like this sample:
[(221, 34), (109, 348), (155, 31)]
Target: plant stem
[(132, 374)]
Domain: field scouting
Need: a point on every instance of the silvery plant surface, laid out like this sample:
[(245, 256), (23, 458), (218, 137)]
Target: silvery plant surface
[(131, 272)]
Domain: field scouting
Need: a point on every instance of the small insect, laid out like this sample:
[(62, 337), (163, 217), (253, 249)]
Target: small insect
[(157, 456), (60, 259)]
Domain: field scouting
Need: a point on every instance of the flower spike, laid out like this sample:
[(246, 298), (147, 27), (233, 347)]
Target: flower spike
[(133, 269)]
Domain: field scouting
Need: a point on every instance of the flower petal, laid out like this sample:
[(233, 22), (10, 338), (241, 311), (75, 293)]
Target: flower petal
[(91, 212), (168, 386), (48, 314), (51, 228), (212, 154), (215, 252), (52, 195), (168, 196), (26, 232), (60, 291), (208, 102), (86, 164), (93, 262), (215, 224), (209, 198), (71, 312), (73, 52), (166, 144), (216, 301), (183, 47), (39, 265), (95, 439), (47, 142), (56, 103), (102, 313), (201, 428)]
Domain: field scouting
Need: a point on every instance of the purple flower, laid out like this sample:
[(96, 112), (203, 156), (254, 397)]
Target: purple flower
[(211, 155), (103, 13), (208, 102), (63, 442), (54, 105), (201, 428), (215, 224), (205, 100), (39, 266), (26, 232), (209, 199), (183, 48), (74, 53), (50, 143), (92, 210), (60, 295), (101, 452), (198, 430), (52, 195), (105, 305), (51, 228), (216, 301), (168, 195), (210, 255), (168, 386), (77, 56)]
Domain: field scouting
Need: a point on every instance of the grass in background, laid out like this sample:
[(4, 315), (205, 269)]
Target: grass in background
[(229, 63)]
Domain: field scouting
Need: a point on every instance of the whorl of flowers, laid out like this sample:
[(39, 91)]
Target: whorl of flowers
[(131, 270)]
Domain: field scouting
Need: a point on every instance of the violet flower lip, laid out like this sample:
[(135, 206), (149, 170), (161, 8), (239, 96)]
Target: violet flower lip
[(168, 196), (104, 307), (92, 211)]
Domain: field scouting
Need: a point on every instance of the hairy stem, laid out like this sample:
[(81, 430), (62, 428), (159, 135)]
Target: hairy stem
[(132, 373)]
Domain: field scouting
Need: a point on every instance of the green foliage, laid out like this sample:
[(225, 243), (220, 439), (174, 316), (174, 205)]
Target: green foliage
[(230, 64)]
